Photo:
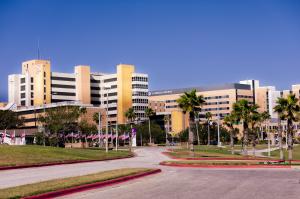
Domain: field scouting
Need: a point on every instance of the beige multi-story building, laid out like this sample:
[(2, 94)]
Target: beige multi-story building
[(218, 101), (117, 92)]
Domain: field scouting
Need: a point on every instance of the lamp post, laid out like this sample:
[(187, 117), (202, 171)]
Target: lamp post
[(106, 130), (99, 130), (218, 122), (117, 133)]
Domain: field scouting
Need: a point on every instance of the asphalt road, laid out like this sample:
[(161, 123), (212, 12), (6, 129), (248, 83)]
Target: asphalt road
[(172, 182)]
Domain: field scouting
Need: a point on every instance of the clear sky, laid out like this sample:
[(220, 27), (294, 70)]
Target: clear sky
[(178, 43)]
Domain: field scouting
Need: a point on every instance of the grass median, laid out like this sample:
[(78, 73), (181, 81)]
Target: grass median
[(64, 183), (276, 153), (222, 163), (35, 155)]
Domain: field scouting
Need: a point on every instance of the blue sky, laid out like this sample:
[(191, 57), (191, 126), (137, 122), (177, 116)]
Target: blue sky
[(178, 43)]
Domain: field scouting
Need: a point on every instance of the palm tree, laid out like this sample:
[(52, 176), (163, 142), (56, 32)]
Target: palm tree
[(149, 112), (130, 115), (167, 120), (231, 120), (190, 103), (265, 116), (208, 117), (279, 109), (254, 120), (289, 110), (244, 111)]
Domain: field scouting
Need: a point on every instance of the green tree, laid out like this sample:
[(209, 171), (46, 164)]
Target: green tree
[(280, 110), (229, 121), (62, 119), (130, 115), (190, 103), (290, 112), (208, 117), (149, 112), (10, 119), (86, 129), (167, 127), (244, 113)]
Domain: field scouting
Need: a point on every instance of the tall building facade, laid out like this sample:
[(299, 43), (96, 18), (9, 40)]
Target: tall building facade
[(117, 92), (218, 101)]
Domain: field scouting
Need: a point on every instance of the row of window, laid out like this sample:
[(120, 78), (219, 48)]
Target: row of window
[(173, 106), (170, 101), (110, 80), (140, 79), (142, 86), (216, 97), (70, 79), (23, 80), (245, 96), (144, 101), (215, 109), (63, 93), (139, 93), (139, 108), (215, 103), (62, 86)]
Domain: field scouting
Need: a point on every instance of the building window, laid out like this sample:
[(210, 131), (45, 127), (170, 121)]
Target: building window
[(44, 74), (23, 95), (63, 79), (31, 79), (110, 80), (44, 82), (31, 102), (31, 87), (23, 103), (31, 95), (23, 88), (22, 80)]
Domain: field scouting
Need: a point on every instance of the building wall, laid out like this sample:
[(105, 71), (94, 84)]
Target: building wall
[(218, 102), (124, 78), (40, 71), (83, 85)]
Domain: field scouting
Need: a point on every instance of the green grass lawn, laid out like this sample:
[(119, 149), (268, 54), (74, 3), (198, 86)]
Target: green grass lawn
[(296, 153), (31, 154), (59, 184), (221, 162), (205, 151)]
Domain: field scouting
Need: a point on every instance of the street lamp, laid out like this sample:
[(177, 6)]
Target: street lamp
[(106, 130), (218, 122)]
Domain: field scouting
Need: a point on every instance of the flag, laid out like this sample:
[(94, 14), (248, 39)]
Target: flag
[(23, 134)]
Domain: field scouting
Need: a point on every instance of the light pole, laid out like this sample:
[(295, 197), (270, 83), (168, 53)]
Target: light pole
[(106, 130), (218, 122), (117, 133), (99, 130)]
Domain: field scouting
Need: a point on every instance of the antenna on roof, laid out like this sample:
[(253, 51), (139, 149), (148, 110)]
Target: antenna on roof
[(38, 49)]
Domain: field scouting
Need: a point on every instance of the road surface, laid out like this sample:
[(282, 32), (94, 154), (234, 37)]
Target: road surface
[(173, 182)]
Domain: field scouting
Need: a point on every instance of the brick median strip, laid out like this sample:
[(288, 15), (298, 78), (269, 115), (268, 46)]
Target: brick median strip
[(91, 186), (224, 166), (2, 168)]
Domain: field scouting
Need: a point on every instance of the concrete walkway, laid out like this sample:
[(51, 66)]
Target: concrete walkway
[(146, 157)]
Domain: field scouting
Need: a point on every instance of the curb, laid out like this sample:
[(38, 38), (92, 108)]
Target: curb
[(225, 166), (91, 186), (60, 163), (257, 159)]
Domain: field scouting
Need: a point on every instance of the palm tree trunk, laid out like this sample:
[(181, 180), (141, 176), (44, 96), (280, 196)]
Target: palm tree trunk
[(149, 131), (197, 130), (191, 136), (130, 138), (245, 141), (231, 141), (208, 134), (280, 141), (290, 141)]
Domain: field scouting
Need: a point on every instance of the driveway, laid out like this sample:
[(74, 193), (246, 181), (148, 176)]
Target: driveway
[(173, 182)]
